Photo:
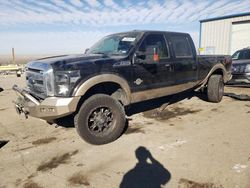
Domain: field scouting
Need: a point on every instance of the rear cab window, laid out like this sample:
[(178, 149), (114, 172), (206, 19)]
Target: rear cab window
[(181, 46)]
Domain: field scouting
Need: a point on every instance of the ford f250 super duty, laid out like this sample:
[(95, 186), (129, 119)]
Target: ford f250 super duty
[(117, 71)]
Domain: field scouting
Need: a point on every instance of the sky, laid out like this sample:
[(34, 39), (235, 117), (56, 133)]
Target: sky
[(71, 26)]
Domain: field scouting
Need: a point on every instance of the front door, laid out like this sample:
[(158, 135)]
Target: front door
[(149, 73)]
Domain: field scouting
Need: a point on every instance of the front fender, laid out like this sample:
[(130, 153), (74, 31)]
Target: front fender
[(98, 79)]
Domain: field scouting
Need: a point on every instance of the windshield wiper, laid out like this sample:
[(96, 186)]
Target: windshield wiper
[(101, 53), (116, 53)]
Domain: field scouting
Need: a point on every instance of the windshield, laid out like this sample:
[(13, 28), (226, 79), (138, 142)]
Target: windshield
[(243, 54), (118, 44)]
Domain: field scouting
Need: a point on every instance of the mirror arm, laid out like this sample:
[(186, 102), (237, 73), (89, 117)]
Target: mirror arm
[(87, 49), (133, 58)]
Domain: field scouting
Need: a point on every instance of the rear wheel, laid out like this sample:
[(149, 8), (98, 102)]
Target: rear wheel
[(101, 119), (215, 88)]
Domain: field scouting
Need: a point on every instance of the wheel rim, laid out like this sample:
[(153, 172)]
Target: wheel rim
[(100, 121)]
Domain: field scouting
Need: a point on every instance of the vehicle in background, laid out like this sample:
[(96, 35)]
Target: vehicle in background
[(119, 70), (241, 67), (9, 69)]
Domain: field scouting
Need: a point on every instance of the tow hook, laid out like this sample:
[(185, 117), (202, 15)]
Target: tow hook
[(20, 110)]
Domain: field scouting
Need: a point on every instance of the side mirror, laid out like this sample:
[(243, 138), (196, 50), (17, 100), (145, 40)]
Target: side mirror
[(139, 57), (87, 49)]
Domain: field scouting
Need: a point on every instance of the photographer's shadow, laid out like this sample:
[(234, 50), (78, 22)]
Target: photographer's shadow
[(146, 174)]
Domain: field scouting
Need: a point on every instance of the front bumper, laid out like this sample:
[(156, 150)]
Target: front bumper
[(240, 79), (49, 109)]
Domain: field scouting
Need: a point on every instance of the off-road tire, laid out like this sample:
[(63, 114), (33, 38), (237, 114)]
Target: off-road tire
[(85, 115), (215, 88)]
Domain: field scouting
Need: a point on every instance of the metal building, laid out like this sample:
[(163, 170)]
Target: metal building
[(224, 35)]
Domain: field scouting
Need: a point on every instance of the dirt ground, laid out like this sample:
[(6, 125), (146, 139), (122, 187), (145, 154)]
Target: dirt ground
[(191, 144)]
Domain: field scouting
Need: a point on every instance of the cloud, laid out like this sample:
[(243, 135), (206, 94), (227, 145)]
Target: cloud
[(77, 3), (110, 12), (93, 3), (73, 25), (110, 3)]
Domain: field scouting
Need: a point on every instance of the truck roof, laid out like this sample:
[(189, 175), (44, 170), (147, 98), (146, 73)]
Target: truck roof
[(150, 31)]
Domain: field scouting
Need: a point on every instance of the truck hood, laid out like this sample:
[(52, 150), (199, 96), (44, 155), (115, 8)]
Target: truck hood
[(70, 61), (242, 61), (72, 58)]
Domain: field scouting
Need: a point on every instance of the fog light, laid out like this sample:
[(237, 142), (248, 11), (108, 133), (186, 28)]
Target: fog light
[(63, 89)]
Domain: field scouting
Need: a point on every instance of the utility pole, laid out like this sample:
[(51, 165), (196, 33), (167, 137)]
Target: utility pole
[(13, 55)]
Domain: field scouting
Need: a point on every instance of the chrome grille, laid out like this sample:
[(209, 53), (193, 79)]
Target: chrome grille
[(35, 82)]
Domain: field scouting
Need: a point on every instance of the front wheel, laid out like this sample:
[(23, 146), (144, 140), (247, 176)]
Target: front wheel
[(100, 120), (215, 88)]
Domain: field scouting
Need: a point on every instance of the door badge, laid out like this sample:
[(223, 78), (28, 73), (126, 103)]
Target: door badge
[(138, 81)]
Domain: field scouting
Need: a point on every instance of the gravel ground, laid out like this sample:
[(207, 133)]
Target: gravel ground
[(190, 144)]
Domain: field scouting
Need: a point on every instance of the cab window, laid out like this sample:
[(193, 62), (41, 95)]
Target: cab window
[(181, 46), (155, 40)]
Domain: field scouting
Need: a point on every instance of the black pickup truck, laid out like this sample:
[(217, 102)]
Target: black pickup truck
[(119, 70)]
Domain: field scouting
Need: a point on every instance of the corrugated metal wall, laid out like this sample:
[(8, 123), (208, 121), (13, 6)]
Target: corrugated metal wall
[(216, 35), (240, 36)]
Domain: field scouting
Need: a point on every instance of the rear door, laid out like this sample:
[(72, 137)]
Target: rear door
[(184, 60)]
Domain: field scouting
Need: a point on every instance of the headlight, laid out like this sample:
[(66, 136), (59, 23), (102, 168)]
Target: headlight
[(64, 82), (247, 69), (49, 82)]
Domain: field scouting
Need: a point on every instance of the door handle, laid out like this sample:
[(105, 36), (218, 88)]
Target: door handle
[(169, 67)]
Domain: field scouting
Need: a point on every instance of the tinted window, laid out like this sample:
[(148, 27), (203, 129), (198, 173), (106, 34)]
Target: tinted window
[(158, 41), (244, 54), (236, 55), (181, 46)]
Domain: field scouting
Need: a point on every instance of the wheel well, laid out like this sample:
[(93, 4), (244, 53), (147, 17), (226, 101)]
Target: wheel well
[(109, 88), (218, 71), (203, 86)]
